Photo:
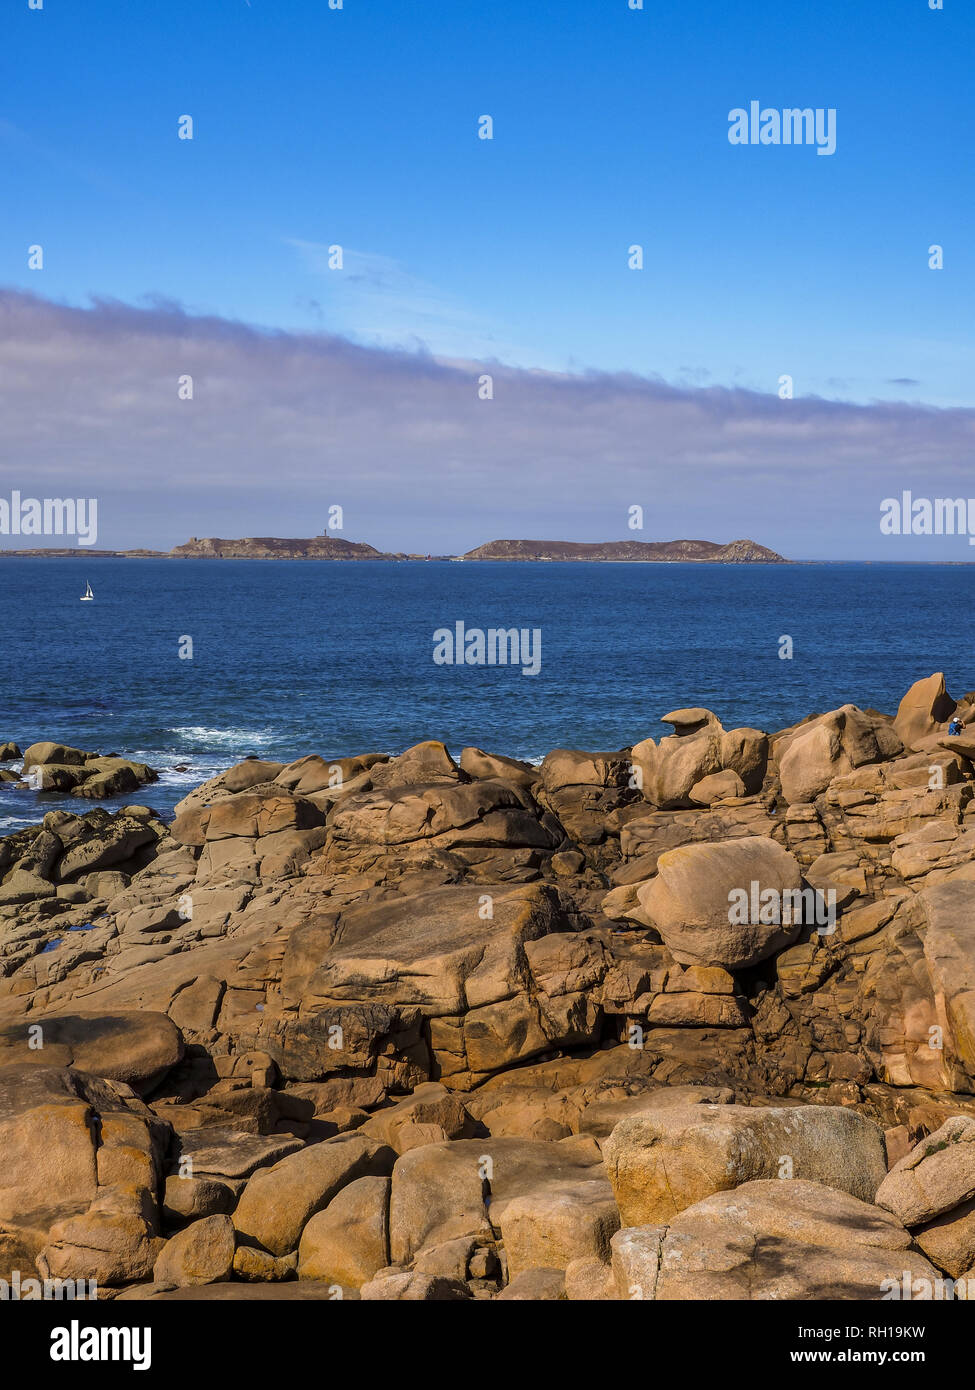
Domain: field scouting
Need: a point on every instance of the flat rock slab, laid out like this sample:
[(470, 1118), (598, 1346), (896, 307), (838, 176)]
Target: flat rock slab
[(601, 1117), (432, 949), (231, 1153), (662, 1161), (137, 1048), (307, 1291), (776, 1239)]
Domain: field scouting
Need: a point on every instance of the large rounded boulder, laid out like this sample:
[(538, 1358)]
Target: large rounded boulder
[(924, 710), (829, 746), (731, 904)]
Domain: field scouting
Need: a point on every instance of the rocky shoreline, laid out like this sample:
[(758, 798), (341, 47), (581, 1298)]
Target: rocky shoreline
[(692, 1019), (53, 767)]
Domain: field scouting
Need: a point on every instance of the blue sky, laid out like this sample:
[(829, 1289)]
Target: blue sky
[(358, 127), (314, 126)]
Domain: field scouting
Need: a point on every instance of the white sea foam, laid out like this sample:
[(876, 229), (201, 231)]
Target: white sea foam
[(196, 733), (191, 776), (160, 757)]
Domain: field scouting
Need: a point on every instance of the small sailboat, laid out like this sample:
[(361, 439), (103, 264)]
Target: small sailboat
[(87, 596)]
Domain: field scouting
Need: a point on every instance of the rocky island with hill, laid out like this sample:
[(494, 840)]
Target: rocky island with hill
[(692, 1019), (647, 552), (327, 547)]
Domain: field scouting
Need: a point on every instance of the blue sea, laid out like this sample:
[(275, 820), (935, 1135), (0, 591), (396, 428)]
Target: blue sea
[(295, 657)]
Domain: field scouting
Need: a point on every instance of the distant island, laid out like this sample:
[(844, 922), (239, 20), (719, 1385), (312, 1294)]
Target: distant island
[(741, 552), (734, 553)]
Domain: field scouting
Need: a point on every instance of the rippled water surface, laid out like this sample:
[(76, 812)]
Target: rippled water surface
[(293, 657)]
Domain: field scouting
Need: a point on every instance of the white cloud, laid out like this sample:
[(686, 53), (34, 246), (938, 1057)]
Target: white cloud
[(284, 424)]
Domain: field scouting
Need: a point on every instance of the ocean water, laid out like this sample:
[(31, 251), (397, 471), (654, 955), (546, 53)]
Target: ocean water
[(293, 657)]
